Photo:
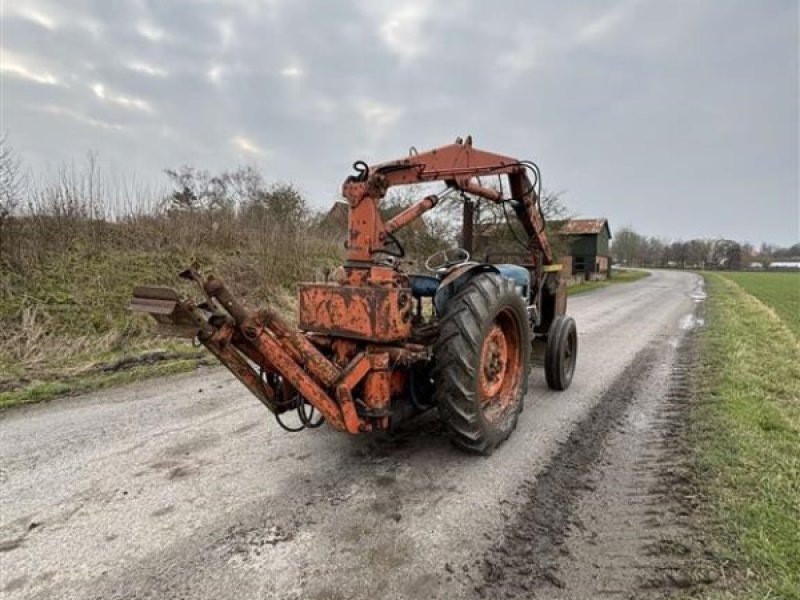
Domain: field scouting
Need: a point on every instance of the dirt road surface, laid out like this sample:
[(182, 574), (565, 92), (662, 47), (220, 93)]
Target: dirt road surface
[(186, 488)]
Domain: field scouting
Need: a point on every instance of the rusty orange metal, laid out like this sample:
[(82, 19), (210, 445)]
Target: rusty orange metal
[(470, 186), (583, 226), (344, 350), (355, 371), (378, 388), (458, 163), (398, 382), (353, 423), (501, 366), (299, 347), (494, 361), (372, 314), (411, 213), (365, 228), (305, 385), (236, 364)]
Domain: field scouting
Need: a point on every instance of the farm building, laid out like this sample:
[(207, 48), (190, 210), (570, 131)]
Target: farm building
[(588, 241)]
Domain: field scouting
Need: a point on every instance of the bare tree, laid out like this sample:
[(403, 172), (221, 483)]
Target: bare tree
[(11, 181), (278, 205), (627, 247), (12, 188), (196, 189)]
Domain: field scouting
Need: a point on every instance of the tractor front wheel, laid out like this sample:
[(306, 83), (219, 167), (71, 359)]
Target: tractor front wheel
[(482, 359), (560, 353)]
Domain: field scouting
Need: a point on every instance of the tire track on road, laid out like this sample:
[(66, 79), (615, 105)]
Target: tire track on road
[(606, 518)]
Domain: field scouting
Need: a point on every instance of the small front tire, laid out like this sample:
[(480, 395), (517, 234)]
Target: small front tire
[(561, 353)]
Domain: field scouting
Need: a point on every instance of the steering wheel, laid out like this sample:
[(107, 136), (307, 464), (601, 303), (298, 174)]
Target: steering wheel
[(442, 260)]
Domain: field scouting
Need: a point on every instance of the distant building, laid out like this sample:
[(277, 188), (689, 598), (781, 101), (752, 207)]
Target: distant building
[(588, 241), (785, 264)]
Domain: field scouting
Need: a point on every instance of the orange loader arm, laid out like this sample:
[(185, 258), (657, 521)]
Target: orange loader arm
[(459, 165)]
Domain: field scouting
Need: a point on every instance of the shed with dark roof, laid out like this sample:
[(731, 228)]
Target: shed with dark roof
[(588, 241)]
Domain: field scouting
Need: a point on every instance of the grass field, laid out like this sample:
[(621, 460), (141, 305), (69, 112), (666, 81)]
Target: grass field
[(746, 433), (779, 291)]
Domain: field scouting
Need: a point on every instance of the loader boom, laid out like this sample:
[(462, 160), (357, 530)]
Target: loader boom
[(459, 165)]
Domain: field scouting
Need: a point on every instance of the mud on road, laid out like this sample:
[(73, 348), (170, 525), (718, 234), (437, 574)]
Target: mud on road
[(185, 488), (609, 516)]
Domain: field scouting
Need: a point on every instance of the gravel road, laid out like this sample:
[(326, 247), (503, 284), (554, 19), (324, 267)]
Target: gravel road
[(185, 487)]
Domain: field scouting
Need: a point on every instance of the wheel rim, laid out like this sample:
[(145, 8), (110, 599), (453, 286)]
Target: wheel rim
[(501, 366), (569, 354)]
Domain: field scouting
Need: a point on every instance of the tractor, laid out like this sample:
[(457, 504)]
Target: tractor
[(378, 345)]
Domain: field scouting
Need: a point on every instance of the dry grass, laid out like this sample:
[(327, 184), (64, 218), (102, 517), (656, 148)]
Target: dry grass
[(68, 266)]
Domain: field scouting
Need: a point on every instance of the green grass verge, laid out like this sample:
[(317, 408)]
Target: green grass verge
[(746, 439), (781, 291), (625, 276)]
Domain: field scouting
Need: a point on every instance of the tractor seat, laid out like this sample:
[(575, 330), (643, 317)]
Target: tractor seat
[(424, 286)]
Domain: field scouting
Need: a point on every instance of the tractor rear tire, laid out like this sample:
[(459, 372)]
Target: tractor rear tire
[(561, 353), (482, 362)]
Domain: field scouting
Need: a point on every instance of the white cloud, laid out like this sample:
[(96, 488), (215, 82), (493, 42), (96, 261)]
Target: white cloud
[(402, 29), (23, 68), (324, 105), (250, 8), (226, 33), (146, 69), (32, 13), (377, 115), (525, 53), (215, 74), (292, 72), (150, 31), (51, 15), (80, 117), (246, 145), (533, 46), (129, 102), (607, 23), (400, 26)]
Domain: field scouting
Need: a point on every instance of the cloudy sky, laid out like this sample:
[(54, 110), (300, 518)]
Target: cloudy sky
[(679, 118)]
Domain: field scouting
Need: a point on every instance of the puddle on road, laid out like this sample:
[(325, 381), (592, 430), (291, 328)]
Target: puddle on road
[(693, 320), (699, 293)]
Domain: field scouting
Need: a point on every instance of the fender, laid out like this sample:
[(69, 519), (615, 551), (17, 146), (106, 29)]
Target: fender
[(457, 279)]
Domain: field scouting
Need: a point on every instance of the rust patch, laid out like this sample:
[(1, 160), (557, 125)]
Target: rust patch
[(368, 313)]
